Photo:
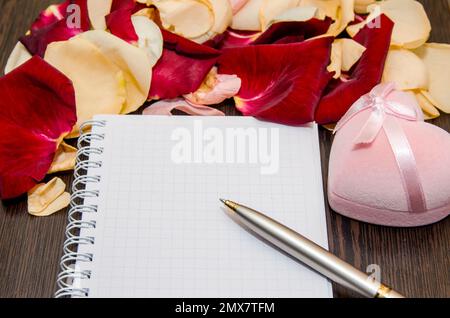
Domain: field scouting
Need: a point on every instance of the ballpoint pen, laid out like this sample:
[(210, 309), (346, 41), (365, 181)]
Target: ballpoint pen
[(309, 253)]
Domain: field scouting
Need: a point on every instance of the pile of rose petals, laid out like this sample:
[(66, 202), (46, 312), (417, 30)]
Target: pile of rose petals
[(285, 61)]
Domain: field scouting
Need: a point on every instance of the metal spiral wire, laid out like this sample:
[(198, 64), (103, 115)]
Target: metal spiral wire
[(69, 272)]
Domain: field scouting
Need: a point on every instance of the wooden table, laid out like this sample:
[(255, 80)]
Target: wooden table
[(416, 261)]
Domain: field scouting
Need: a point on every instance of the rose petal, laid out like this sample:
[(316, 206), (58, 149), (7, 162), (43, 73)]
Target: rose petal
[(405, 69), (237, 5), (280, 83), (345, 15), (182, 67), (277, 33), (361, 6), (19, 55), (215, 89), (37, 108), (436, 57), (37, 41), (150, 37), (271, 9), (100, 86), (344, 54), (98, 10), (247, 19), (165, 108), (64, 160), (60, 203), (40, 197), (340, 95), (291, 32), (223, 16), (188, 18), (233, 38), (303, 13), (412, 27), (119, 23), (134, 63), (429, 111)]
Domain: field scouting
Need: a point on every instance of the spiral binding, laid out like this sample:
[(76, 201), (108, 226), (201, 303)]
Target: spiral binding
[(69, 273)]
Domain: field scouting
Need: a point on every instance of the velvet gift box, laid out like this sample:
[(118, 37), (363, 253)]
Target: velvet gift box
[(387, 166)]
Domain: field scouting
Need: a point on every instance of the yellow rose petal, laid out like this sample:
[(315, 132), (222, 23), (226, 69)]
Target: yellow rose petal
[(436, 57), (336, 59), (223, 16), (344, 54), (271, 9), (405, 69), (64, 160), (60, 203), (411, 24), (247, 19), (296, 14), (361, 6), (40, 197), (98, 10), (150, 37), (188, 18), (429, 111), (98, 82), (19, 55), (132, 61)]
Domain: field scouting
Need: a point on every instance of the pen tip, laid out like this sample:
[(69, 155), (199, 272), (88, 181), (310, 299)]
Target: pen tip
[(223, 201)]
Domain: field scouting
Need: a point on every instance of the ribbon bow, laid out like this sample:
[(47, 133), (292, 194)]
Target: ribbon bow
[(385, 115)]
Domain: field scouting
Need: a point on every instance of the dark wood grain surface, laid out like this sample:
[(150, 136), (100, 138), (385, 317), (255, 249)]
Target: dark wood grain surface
[(416, 261)]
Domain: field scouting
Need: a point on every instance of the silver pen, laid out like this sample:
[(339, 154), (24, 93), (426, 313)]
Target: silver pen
[(309, 253)]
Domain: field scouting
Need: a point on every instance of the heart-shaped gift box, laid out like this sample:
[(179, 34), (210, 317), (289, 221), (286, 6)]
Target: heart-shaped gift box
[(387, 166)]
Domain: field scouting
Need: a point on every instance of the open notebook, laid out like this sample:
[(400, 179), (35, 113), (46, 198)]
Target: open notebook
[(147, 192)]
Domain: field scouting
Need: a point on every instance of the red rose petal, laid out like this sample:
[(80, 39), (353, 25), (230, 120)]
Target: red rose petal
[(233, 38), (37, 107), (291, 32), (56, 23), (182, 67), (119, 23), (340, 95), (277, 33), (280, 83), (37, 42), (52, 14)]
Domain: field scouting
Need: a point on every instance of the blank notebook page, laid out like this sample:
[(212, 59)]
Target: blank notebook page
[(161, 230)]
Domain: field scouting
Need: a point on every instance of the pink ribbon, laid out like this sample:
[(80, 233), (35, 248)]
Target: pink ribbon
[(385, 114)]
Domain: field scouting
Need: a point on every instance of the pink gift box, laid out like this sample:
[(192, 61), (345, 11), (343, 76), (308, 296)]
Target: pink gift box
[(387, 166)]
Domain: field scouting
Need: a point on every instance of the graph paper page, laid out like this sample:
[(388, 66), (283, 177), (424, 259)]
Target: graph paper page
[(161, 230)]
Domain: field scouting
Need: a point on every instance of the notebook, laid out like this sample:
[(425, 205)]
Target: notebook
[(146, 220)]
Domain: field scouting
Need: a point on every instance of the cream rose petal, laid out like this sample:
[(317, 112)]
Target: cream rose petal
[(412, 27), (132, 61), (223, 16), (326, 8), (271, 9), (99, 84), (42, 195), (150, 37), (296, 14), (65, 158), (436, 57), (361, 6), (429, 111), (405, 69), (188, 18), (344, 54), (336, 59), (98, 10), (247, 19), (60, 203), (19, 55)]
